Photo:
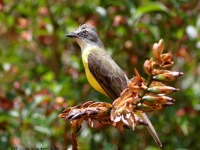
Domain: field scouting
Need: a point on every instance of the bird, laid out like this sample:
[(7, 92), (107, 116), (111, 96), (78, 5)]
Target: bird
[(102, 72)]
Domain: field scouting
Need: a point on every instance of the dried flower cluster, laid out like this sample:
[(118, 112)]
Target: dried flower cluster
[(140, 96), (146, 96), (97, 114)]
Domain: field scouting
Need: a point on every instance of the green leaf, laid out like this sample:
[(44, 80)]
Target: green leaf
[(151, 7)]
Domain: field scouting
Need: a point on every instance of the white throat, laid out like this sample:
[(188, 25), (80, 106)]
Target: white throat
[(82, 44)]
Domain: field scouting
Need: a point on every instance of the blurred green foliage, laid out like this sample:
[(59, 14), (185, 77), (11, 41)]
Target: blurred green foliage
[(41, 72)]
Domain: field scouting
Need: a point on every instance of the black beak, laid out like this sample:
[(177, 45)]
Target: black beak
[(72, 35)]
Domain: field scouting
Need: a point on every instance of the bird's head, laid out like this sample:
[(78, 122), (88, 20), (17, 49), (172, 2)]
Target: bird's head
[(85, 35)]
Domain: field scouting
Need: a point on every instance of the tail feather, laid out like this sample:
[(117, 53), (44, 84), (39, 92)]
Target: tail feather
[(151, 129)]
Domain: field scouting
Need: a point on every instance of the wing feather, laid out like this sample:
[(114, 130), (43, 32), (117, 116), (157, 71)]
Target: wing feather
[(107, 73)]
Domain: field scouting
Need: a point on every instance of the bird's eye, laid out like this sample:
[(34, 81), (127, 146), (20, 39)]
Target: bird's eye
[(85, 32)]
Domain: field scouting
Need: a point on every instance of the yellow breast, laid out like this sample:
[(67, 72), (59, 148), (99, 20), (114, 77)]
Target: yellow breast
[(89, 76)]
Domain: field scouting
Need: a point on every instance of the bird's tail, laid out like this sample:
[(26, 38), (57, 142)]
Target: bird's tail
[(151, 129)]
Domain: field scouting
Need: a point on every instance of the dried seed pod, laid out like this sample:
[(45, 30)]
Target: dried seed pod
[(129, 119), (162, 89), (146, 108), (148, 66), (156, 83), (159, 71), (157, 99), (97, 114), (166, 60), (137, 84), (158, 49), (168, 77), (126, 93)]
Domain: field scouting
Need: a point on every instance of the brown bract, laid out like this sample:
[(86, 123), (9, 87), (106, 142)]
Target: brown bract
[(97, 114)]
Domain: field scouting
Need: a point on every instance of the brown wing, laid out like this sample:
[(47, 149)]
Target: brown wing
[(107, 73)]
